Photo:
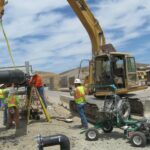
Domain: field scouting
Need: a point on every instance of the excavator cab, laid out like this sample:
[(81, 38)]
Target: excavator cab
[(117, 69)]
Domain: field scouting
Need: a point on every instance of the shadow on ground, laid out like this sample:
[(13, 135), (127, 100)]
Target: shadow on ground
[(75, 127), (114, 135), (22, 130), (42, 120)]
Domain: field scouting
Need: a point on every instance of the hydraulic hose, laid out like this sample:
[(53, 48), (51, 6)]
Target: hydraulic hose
[(7, 42), (60, 139)]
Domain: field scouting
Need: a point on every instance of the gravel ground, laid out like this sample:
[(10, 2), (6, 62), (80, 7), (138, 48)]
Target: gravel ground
[(24, 137)]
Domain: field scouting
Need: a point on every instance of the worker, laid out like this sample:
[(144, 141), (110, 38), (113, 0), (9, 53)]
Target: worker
[(36, 81), (79, 97), (3, 96), (13, 108)]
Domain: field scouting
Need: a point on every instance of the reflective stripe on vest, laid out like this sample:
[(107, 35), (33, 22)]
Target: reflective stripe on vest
[(12, 101), (81, 95)]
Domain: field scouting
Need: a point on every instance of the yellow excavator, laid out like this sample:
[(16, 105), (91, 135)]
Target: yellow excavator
[(107, 67)]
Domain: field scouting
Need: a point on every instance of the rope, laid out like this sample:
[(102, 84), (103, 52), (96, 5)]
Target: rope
[(8, 46)]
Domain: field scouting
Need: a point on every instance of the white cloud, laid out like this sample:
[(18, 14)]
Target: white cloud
[(20, 8), (54, 41), (127, 16)]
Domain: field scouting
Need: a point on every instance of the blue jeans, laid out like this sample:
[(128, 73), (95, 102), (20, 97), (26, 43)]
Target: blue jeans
[(1, 102), (81, 108), (41, 92), (5, 115)]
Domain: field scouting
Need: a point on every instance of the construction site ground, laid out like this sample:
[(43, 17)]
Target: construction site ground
[(24, 138)]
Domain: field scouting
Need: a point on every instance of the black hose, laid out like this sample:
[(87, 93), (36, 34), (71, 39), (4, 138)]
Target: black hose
[(60, 139), (12, 76)]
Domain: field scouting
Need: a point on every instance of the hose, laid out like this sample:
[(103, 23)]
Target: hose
[(59, 139), (8, 45)]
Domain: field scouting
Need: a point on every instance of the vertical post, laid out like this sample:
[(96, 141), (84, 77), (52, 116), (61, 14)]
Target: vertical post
[(29, 104), (27, 67)]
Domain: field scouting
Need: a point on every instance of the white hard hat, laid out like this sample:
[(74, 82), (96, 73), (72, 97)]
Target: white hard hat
[(77, 81)]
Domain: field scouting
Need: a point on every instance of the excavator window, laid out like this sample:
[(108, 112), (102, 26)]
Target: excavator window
[(131, 68), (103, 74), (118, 67), (131, 64)]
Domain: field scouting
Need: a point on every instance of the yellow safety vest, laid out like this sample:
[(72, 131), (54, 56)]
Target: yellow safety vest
[(81, 92), (2, 94), (13, 101)]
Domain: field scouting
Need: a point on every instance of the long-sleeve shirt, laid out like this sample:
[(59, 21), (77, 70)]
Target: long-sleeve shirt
[(36, 81)]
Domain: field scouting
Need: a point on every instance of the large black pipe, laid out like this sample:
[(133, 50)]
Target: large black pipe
[(12, 76), (60, 139)]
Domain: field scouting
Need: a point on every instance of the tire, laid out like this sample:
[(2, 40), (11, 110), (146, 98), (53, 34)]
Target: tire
[(107, 127), (92, 134), (138, 139)]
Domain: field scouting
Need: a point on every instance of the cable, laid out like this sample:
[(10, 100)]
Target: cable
[(8, 46)]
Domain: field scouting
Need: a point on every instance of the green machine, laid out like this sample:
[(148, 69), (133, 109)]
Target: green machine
[(116, 113)]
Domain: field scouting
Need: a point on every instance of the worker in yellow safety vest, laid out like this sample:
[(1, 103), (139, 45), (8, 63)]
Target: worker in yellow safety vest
[(80, 100), (13, 108), (3, 103), (2, 96)]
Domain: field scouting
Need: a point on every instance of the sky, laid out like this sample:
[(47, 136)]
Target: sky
[(48, 34)]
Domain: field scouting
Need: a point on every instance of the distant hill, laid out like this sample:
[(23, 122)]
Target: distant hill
[(140, 65)]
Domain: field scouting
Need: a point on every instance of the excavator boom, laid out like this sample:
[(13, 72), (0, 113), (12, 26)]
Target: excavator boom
[(90, 23), (2, 3)]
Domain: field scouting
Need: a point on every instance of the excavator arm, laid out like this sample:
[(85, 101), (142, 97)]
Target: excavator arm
[(90, 23)]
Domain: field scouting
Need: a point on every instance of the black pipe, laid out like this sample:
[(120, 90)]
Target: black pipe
[(12, 76), (60, 139)]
